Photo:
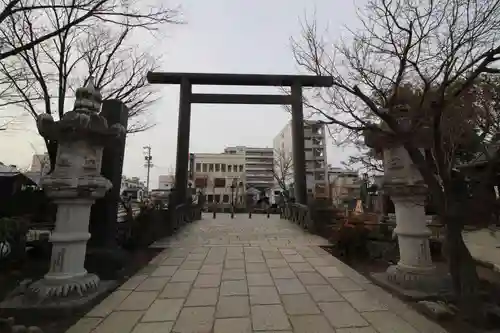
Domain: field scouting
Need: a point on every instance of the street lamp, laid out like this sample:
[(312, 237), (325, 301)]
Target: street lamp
[(240, 186), (189, 197), (233, 187)]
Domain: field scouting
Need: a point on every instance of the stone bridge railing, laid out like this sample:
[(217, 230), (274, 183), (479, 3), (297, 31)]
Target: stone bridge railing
[(299, 214), (185, 213), (154, 223)]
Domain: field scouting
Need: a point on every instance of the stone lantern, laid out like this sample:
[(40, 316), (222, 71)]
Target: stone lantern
[(74, 185), (402, 181)]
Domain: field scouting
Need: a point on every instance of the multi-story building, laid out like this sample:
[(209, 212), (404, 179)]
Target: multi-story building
[(132, 182), (345, 185), (258, 167), (315, 155), (166, 182), (132, 187), (220, 176)]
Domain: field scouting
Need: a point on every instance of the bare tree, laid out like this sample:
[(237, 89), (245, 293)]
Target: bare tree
[(5, 122), (119, 69), (365, 160), (49, 71), (30, 16), (435, 51), (283, 169)]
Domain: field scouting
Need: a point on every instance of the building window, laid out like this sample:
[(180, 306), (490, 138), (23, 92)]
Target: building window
[(219, 182), (229, 168), (210, 198), (223, 167), (217, 198), (211, 167), (217, 167), (198, 167), (200, 182), (241, 167), (225, 198), (205, 167)]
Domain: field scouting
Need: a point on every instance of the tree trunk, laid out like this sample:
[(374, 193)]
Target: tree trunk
[(462, 268)]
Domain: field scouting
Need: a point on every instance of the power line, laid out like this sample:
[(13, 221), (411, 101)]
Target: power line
[(148, 164)]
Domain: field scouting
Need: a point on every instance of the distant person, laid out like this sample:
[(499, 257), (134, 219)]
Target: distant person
[(201, 199), (281, 204)]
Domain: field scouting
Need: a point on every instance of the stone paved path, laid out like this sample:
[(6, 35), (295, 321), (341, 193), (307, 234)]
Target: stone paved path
[(249, 275)]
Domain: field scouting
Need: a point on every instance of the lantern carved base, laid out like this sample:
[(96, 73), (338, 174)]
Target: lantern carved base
[(425, 281), (51, 289), (412, 285), (50, 297)]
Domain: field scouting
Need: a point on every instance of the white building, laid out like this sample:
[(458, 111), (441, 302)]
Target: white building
[(258, 167), (220, 176), (315, 154), (344, 185), (131, 183)]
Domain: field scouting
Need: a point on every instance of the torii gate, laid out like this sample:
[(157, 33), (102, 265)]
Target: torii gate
[(187, 97)]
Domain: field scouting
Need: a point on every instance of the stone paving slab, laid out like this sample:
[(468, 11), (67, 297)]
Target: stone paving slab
[(245, 275)]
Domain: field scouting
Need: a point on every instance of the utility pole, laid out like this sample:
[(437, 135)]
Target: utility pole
[(147, 164)]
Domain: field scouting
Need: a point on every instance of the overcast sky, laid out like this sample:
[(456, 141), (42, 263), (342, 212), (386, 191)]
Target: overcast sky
[(240, 36)]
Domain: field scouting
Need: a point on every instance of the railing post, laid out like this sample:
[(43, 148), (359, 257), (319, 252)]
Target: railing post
[(175, 220)]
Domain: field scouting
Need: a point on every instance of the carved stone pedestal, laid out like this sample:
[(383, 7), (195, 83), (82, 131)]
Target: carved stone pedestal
[(415, 269), (414, 275), (67, 276)]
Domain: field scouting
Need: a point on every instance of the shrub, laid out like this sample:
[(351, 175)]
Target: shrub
[(13, 238), (351, 239)]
